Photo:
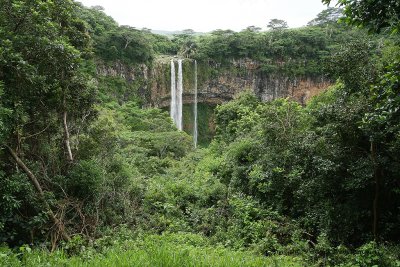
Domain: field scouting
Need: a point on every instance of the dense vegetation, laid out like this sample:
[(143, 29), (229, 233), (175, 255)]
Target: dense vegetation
[(88, 174)]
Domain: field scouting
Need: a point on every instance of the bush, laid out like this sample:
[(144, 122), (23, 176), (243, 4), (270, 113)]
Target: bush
[(85, 179), (373, 254)]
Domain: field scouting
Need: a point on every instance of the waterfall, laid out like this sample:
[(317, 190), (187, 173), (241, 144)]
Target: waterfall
[(195, 106), (176, 95), (179, 96), (173, 106), (176, 98)]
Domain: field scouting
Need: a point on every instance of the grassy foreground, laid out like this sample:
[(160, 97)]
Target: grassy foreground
[(152, 250)]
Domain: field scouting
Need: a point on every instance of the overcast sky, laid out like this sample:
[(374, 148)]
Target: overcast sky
[(208, 15)]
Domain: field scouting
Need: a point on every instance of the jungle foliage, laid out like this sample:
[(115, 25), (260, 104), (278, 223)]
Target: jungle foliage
[(89, 174)]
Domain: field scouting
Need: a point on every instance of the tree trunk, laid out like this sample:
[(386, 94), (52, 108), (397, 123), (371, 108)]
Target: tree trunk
[(377, 179), (38, 188), (127, 42), (66, 134)]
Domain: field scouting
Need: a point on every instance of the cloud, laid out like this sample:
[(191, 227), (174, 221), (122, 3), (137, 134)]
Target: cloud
[(208, 15)]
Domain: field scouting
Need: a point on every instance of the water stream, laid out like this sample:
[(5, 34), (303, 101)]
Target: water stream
[(173, 106), (195, 106), (179, 91), (177, 101)]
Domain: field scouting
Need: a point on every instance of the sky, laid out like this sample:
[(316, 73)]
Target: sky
[(208, 15)]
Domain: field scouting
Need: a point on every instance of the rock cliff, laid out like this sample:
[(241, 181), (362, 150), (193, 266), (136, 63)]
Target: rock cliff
[(216, 83)]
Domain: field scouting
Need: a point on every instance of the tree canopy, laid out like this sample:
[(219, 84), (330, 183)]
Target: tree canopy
[(374, 15)]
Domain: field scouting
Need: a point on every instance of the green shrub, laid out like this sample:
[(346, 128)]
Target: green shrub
[(373, 254), (85, 179)]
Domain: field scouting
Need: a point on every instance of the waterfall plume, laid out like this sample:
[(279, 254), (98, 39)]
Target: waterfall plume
[(176, 95), (173, 107), (179, 91), (195, 106)]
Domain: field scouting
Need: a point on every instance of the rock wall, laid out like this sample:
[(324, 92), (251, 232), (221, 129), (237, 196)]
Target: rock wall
[(118, 69), (216, 84)]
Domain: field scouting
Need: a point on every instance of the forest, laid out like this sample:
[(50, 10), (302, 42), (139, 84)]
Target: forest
[(91, 176)]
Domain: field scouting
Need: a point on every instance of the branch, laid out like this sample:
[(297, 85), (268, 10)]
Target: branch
[(39, 189), (66, 131), (32, 135), (67, 138)]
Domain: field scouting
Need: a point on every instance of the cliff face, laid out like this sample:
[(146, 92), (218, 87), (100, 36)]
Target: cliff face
[(216, 84), (117, 69)]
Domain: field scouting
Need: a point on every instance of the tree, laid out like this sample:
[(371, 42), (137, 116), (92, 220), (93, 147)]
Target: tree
[(188, 32), (4, 116), (327, 16), (354, 65), (277, 24), (220, 45), (127, 34), (125, 44), (253, 29), (42, 46), (374, 15), (97, 8), (378, 123)]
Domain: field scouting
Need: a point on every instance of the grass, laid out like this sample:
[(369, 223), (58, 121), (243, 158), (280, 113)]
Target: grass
[(167, 250)]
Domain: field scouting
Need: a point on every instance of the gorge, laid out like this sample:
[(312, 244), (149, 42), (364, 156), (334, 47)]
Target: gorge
[(208, 84)]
